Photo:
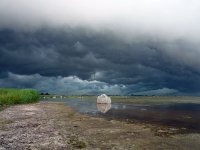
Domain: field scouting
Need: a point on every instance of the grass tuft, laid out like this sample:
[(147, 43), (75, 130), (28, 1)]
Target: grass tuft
[(18, 96)]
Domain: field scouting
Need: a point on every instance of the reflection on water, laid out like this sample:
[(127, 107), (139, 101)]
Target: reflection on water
[(103, 107), (180, 115)]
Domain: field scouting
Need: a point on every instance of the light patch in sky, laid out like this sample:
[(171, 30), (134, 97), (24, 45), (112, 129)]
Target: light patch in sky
[(71, 85), (171, 20)]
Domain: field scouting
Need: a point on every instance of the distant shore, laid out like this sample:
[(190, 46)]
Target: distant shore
[(138, 99)]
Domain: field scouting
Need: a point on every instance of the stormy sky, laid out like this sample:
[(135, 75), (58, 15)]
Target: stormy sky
[(139, 47)]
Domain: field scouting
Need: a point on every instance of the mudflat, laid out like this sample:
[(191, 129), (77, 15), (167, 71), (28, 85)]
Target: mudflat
[(48, 125)]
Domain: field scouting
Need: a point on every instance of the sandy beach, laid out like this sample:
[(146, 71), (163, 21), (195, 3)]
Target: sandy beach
[(48, 125)]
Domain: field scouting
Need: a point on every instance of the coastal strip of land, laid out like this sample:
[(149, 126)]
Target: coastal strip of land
[(47, 125)]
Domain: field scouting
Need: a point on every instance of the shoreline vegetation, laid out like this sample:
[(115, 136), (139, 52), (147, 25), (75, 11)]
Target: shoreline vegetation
[(11, 96)]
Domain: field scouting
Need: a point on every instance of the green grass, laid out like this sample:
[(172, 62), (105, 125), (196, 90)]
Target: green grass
[(18, 96)]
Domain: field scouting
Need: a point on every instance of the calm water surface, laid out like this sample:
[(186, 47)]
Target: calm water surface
[(185, 115)]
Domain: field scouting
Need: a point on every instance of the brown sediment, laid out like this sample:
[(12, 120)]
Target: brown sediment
[(185, 121), (56, 126)]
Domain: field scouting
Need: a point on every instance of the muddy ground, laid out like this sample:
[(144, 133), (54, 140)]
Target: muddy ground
[(47, 125)]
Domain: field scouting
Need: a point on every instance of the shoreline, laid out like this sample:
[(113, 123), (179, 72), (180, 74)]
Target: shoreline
[(53, 125)]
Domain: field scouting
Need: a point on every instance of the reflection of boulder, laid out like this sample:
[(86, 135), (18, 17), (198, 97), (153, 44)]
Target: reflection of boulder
[(102, 99), (103, 107)]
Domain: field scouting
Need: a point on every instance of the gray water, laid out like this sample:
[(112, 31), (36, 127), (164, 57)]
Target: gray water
[(183, 115)]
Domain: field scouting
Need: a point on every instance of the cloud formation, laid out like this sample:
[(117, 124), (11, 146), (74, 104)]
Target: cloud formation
[(170, 19), (61, 85), (147, 47)]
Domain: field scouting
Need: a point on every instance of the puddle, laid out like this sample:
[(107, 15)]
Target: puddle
[(181, 115)]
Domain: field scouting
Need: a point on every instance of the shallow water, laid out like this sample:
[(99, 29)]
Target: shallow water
[(182, 115)]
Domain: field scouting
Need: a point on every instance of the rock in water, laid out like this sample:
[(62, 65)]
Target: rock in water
[(103, 99)]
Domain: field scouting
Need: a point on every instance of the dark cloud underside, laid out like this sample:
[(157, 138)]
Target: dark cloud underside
[(111, 46), (141, 66)]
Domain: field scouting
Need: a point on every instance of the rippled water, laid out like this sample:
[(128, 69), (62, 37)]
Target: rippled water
[(184, 115)]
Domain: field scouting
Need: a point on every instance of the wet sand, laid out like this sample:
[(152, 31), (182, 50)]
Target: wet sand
[(170, 112), (187, 121), (48, 125)]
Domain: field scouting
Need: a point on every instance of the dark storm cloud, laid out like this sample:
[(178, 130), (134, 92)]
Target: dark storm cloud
[(140, 46), (49, 52), (140, 66)]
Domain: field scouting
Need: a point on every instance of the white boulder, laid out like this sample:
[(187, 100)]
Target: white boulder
[(103, 99)]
